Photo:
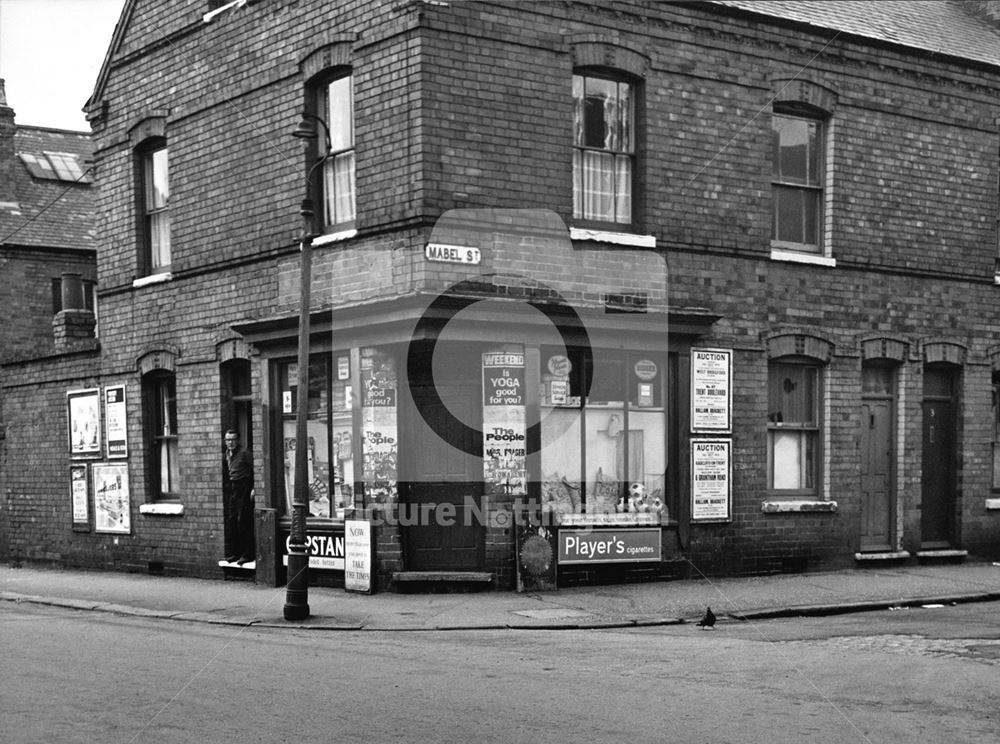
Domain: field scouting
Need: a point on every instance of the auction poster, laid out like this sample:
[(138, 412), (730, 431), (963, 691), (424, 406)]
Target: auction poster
[(711, 390), (84, 420), (114, 419), (112, 504), (504, 447), (79, 496), (710, 480)]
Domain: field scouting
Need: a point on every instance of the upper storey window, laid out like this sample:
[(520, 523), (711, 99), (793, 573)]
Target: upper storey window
[(797, 181), (604, 149), (156, 207), (334, 103)]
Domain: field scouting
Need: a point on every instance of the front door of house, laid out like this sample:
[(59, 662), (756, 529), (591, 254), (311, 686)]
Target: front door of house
[(876, 473), (441, 516), (938, 472)]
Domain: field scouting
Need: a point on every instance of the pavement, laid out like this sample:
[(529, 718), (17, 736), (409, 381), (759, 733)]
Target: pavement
[(244, 603)]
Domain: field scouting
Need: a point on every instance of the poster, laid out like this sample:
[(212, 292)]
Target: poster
[(115, 421), (112, 504), (357, 555), (79, 495), (711, 390), (711, 473), (504, 446), (378, 427), (83, 409)]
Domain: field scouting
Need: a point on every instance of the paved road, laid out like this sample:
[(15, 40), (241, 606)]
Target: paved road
[(918, 675)]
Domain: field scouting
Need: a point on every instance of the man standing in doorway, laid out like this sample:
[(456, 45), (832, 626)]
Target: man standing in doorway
[(238, 482)]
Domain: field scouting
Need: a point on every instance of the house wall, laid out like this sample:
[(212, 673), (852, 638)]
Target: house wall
[(468, 106)]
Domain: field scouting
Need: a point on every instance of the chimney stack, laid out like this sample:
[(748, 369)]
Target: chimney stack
[(8, 157)]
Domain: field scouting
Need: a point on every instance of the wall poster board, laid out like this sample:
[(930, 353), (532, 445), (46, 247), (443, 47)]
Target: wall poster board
[(79, 497), (711, 480), (84, 422), (115, 421), (112, 503), (711, 390), (358, 555)]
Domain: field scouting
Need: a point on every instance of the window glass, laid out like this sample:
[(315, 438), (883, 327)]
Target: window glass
[(796, 169), (337, 109), (317, 433), (793, 426), (996, 431), (606, 451), (604, 134), (161, 399), (157, 196)]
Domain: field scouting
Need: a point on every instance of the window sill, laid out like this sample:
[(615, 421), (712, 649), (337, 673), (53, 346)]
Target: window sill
[(629, 239), (992, 504), (334, 237), (777, 254), (163, 510), (783, 506), (152, 279), (211, 15)]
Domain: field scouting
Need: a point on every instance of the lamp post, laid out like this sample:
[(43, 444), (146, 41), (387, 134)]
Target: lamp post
[(297, 582)]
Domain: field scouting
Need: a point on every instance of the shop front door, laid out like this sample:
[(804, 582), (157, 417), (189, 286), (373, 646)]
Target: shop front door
[(443, 493)]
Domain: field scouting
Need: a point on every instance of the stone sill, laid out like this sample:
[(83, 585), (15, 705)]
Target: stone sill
[(164, 510), (334, 237), (778, 254), (887, 556), (992, 504), (798, 505), (152, 279), (630, 239)]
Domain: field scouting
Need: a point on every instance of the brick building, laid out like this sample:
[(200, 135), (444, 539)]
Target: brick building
[(48, 259), (599, 291)]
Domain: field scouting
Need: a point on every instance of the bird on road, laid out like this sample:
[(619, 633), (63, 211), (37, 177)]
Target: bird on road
[(709, 620)]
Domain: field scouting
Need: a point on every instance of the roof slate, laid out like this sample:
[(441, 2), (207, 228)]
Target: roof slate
[(947, 27), (48, 212)]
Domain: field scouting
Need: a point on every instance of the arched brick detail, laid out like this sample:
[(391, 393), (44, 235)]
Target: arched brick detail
[(994, 356), (799, 344), (232, 348), (336, 53), (884, 347), (804, 92), (947, 352), (153, 126), (158, 359), (597, 50)]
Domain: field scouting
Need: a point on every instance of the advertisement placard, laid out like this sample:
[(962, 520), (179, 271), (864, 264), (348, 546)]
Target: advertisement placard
[(80, 496), (84, 420), (711, 476), (115, 421), (610, 546), (358, 555), (711, 390), (112, 503)]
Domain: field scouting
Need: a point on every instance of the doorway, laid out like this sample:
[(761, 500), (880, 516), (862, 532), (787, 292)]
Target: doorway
[(877, 456), (443, 484), (938, 457)]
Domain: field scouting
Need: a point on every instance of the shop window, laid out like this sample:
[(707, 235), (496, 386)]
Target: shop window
[(797, 182), (793, 427), (604, 149), (330, 450), (603, 428), (159, 390)]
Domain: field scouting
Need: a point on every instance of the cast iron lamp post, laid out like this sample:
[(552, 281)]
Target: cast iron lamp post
[(297, 582)]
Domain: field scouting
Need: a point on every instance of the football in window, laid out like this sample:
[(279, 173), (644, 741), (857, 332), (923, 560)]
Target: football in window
[(604, 149), (797, 182), (793, 427)]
